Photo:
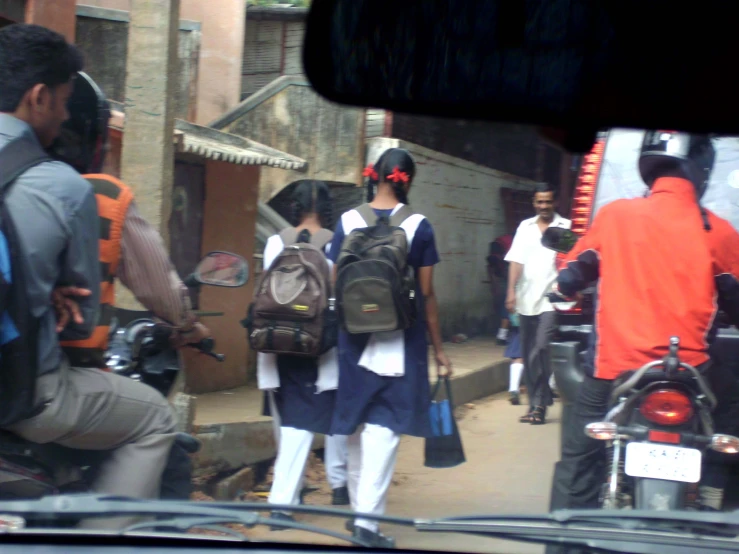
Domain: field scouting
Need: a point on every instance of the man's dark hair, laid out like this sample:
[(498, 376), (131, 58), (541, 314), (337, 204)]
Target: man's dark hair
[(29, 55), (545, 187)]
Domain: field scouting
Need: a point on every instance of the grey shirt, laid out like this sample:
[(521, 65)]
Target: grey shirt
[(55, 213)]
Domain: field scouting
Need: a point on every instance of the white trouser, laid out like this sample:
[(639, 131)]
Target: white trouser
[(336, 460), (514, 381), (373, 451), (292, 456)]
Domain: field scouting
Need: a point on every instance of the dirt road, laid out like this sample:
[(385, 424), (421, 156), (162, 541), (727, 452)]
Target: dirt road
[(508, 470)]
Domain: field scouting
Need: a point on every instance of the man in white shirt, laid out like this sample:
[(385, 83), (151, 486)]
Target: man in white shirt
[(531, 276)]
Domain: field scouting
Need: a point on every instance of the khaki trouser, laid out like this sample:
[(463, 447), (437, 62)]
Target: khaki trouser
[(89, 409)]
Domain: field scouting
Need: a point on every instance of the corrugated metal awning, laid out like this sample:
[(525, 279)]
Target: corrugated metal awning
[(213, 144)]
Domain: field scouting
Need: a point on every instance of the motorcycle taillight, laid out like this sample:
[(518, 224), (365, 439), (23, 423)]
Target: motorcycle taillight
[(666, 407)]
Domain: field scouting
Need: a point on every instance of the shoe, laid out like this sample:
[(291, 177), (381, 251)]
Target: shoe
[(282, 517), (538, 416), (373, 539), (526, 418), (340, 496), (514, 398)]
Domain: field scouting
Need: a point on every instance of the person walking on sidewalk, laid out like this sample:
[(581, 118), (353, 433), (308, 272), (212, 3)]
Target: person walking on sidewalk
[(498, 276), (383, 377), (301, 390), (531, 276), (513, 353)]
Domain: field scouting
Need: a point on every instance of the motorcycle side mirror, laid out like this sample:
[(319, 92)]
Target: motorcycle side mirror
[(559, 239), (220, 269)]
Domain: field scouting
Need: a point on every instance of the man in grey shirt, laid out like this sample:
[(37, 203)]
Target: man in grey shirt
[(55, 214)]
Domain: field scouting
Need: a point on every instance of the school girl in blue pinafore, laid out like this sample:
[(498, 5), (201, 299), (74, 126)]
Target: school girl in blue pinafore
[(301, 390), (375, 407)]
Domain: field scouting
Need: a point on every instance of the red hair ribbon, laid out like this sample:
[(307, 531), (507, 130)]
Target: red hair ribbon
[(370, 172), (398, 176)]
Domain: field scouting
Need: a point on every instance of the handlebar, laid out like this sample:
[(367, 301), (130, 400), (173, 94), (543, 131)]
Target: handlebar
[(160, 334), (557, 298), (206, 346)]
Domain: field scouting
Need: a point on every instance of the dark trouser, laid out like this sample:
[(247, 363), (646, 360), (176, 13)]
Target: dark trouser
[(536, 333), (177, 475), (579, 474), (725, 386)]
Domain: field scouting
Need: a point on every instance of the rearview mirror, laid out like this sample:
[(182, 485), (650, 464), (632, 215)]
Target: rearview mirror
[(579, 66), (559, 239), (222, 269)]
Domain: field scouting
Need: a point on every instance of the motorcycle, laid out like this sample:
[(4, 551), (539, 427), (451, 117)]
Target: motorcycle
[(658, 427), (139, 349)]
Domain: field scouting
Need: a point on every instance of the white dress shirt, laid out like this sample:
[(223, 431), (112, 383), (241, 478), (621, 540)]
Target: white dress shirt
[(539, 272)]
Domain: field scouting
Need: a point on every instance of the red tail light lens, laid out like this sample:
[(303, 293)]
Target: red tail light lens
[(666, 407)]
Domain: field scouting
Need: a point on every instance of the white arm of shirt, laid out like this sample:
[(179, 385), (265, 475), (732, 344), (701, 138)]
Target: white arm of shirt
[(271, 250), (516, 254)]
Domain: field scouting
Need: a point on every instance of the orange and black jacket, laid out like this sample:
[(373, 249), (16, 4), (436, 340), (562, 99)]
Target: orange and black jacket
[(113, 199), (660, 274)]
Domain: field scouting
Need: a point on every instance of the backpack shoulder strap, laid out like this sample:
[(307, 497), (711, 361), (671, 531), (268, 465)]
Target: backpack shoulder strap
[(367, 213), (289, 236), (321, 238), (403, 213), (16, 158)]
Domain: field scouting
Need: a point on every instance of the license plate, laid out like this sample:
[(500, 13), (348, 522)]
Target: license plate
[(660, 461)]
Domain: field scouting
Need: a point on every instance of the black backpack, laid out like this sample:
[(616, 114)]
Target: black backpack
[(19, 357), (375, 286)]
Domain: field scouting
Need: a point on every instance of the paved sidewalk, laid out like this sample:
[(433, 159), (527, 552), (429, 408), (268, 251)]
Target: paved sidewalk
[(234, 433)]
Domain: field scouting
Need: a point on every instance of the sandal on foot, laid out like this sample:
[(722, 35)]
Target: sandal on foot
[(538, 416), (526, 418)]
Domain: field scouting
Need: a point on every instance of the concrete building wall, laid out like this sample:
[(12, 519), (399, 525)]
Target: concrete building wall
[(221, 50), (462, 201), (102, 34), (290, 116)]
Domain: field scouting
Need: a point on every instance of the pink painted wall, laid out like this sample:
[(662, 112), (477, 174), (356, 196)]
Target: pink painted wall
[(221, 51)]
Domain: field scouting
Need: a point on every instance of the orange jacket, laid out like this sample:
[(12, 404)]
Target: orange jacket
[(113, 199), (660, 275)]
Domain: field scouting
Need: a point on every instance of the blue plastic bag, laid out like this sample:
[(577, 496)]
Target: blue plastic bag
[(444, 447), (441, 418)]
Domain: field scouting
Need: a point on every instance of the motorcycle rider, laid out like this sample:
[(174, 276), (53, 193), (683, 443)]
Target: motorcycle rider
[(662, 262), (56, 218), (130, 249)]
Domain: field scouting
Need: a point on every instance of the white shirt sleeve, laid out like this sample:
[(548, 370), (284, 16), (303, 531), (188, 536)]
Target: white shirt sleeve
[(516, 252), (327, 250), (271, 250)]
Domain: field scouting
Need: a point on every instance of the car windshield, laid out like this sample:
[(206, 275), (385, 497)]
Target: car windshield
[(251, 314)]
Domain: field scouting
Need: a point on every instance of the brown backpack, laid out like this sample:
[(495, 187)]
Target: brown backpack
[(293, 309)]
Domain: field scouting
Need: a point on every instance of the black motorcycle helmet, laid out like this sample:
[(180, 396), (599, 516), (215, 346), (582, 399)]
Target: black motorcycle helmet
[(83, 140), (674, 154)]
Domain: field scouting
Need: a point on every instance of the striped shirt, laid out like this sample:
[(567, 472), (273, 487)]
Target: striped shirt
[(146, 270)]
